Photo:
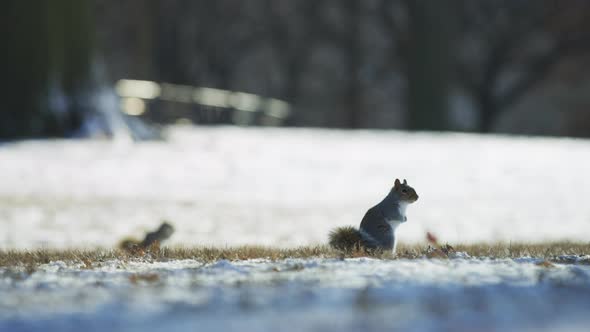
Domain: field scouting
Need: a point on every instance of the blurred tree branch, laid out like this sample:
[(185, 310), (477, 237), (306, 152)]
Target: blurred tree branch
[(520, 38)]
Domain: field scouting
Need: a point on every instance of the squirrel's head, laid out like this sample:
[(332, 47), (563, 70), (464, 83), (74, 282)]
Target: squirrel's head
[(166, 229), (404, 191)]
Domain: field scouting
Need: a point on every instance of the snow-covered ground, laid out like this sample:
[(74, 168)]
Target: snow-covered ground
[(298, 295), (288, 187)]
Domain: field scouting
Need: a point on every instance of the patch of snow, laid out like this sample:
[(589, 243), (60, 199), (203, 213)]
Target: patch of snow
[(574, 259), (459, 255), (289, 187), (299, 294)]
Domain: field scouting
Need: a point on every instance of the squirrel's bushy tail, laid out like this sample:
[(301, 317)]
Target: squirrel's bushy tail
[(345, 238), (128, 243)]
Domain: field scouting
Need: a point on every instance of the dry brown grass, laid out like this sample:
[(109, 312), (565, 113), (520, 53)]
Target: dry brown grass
[(90, 258), (515, 250)]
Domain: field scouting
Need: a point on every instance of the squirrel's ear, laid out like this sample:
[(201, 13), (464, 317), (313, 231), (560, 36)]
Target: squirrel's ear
[(397, 183), (405, 182)]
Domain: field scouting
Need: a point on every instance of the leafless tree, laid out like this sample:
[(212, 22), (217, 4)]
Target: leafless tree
[(506, 47)]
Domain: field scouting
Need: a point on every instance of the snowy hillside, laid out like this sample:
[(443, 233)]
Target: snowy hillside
[(288, 187)]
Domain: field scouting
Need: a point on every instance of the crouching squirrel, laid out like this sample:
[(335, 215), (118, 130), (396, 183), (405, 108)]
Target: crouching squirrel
[(161, 234), (377, 230)]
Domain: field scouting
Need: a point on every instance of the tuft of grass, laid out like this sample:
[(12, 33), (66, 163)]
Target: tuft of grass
[(89, 258), (515, 250)]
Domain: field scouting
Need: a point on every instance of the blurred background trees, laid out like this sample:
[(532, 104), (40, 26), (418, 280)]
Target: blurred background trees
[(54, 82), (508, 48), (516, 66), (46, 58)]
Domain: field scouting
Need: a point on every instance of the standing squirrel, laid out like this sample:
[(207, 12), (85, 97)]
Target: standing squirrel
[(377, 230), (161, 234)]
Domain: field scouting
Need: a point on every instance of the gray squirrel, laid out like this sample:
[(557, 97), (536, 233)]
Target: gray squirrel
[(163, 232), (377, 230)]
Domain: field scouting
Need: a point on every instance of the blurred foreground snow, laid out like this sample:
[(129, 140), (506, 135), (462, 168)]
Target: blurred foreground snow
[(288, 187), (298, 295)]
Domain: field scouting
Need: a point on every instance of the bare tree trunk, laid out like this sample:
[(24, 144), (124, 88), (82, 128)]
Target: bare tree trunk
[(47, 59), (488, 112), (428, 61), (354, 63)]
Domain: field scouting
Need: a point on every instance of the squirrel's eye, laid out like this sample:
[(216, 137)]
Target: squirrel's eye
[(404, 191)]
